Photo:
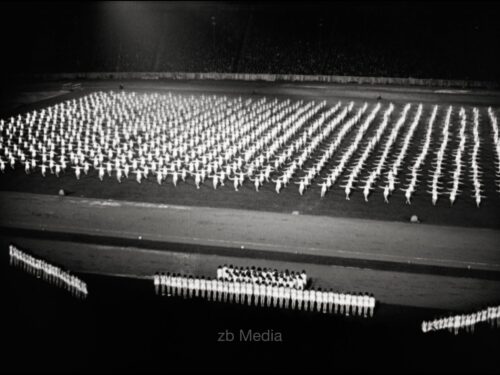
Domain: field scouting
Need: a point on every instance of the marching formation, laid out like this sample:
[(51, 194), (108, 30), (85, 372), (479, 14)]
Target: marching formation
[(422, 156), (396, 166), (458, 157), (476, 170), (339, 168), (438, 164), (261, 294), (374, 175), (231, 140), (48, 272), (465, 322), (496, 142)]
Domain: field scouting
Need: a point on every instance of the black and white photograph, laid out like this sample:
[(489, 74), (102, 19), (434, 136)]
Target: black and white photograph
[(250, 186)]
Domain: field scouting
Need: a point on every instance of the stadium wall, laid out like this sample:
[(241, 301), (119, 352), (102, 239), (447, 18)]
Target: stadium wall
[(267, 78)]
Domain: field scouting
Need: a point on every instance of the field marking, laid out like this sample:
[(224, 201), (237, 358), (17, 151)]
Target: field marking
[(113, 203), (99, 202), (308, 86), (121, 275), (448, 91), (259, 245)]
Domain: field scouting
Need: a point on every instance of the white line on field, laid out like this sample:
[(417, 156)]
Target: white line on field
[(258, 245)]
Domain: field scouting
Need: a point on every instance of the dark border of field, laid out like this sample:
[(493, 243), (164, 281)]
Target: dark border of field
[(335, 79), (252, 253)]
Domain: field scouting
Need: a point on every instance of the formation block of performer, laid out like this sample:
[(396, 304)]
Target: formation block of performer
[(48, 272), (467, 322), (262, 294)]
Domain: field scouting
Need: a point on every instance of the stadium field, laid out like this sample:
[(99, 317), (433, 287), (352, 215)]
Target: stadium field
[(463, 212), (194, 229)]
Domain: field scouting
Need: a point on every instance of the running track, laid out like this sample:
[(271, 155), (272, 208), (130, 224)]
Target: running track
[(414, 264)]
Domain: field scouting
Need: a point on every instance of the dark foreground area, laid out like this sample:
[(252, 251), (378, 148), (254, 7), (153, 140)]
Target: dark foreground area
[(123, 326)]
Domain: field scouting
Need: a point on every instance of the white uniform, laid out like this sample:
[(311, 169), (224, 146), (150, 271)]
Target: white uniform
[(348, 304), (287, 295), (257, 292), (306, 300), (231, 291), (196, 287), (156, 280), (293, 298), (319, 301), (330, 301)]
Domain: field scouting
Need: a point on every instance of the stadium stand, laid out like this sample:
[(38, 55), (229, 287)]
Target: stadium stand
[(256, 39)]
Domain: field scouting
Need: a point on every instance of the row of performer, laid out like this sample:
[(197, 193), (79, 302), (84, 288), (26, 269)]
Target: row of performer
[(48, 272), (289, 279), (255, 287), (464, 322), (258, 294)]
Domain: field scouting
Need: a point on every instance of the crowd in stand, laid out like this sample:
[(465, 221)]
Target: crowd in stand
[(48, 272), (340, 42)]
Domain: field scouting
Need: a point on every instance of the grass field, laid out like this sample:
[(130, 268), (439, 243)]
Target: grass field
[(462, 213), (438, 242)]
